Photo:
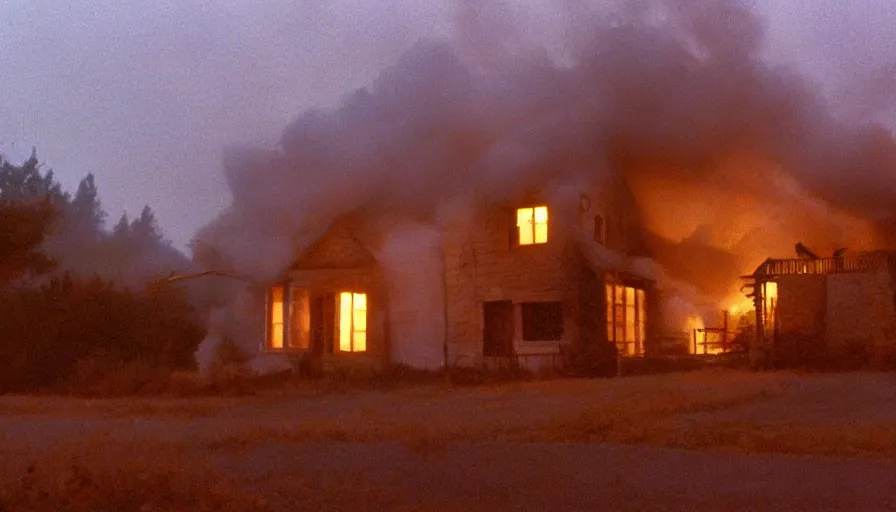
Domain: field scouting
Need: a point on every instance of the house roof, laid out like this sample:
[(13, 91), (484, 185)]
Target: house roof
[(338, 248)]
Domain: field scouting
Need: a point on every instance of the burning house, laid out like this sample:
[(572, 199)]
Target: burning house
[(533, 282), (463, 212)]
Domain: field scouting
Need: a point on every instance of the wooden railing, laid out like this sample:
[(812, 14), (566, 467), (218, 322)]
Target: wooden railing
[(821, 266)]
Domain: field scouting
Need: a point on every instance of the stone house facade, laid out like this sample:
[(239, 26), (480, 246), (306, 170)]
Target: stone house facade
[(531, 281)]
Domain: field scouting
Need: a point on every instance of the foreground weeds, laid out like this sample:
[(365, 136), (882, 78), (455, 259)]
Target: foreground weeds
[(165, 453), (183, 453), (98, 475), (692, 411)]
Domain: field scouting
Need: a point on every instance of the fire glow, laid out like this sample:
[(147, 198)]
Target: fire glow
[(728, 160)]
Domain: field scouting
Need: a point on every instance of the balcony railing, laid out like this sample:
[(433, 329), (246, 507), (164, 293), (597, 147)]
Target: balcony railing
[(863, 262)]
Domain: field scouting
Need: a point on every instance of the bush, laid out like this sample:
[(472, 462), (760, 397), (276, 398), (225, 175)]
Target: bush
[(72, 333)]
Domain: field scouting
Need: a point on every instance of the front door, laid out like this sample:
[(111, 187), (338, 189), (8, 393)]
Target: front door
[(323, 324), (497, 332)]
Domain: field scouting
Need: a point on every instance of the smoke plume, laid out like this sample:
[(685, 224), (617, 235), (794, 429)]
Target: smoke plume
[(729, 159)]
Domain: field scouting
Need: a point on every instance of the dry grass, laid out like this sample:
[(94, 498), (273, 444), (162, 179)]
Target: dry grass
[(160, 453), (710, 410), (559, 411), (97, 474)]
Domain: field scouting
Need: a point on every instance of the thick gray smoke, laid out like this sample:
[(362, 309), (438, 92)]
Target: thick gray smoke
[(725, 154)]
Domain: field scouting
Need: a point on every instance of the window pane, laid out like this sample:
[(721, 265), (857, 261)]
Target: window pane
[(277, 317), (525, 224), (541, 224), (360, 339), (630, 314), (609, 289), (642, 316), (277, 304), (359, 317), (345, 321), (541, 233), (542, 321), (277, 336)]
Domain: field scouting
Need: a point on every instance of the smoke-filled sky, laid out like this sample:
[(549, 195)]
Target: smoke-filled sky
[(147, 94)]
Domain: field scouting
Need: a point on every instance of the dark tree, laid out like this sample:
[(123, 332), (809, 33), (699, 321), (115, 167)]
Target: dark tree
[(123, 228), (145, 230), (18, 183), (86, 213), (92, 318), (23, 227)]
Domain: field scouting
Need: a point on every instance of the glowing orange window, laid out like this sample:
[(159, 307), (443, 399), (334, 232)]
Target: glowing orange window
[(276, 327), (626, 318), (532, 224), (352, 322)]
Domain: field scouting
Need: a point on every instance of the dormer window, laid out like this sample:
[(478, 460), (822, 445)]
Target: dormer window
[(532, 225)]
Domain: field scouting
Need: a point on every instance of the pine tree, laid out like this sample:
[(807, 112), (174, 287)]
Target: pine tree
[(23, 227), (145, 230), (87, 215), (123, 228), (23, 182)]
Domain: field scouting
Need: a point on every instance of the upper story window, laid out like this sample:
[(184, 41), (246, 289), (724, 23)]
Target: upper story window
[(532, 224), (600, 230)]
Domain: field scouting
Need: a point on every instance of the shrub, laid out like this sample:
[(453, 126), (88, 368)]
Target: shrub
[(71, 332)]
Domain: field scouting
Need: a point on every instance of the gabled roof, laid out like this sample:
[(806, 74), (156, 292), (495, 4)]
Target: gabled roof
[(337, 249)]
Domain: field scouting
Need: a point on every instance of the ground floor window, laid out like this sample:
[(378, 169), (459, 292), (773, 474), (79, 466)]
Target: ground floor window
[(542, 321), (769, 307), (352, 322), (276, 318), (320, 322), (626, 318)]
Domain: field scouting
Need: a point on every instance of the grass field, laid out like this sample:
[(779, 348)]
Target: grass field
[(197, 453)]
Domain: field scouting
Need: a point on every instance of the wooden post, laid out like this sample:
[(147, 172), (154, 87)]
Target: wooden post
[(725, 331), (759, 341)]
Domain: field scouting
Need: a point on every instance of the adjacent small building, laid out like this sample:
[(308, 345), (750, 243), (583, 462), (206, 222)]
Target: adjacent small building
[(831, 311)]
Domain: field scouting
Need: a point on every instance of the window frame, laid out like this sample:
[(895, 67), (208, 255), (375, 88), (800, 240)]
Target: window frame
[(351, 322), (527, 323), (517, 227), (277, 328), (626, 317)]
